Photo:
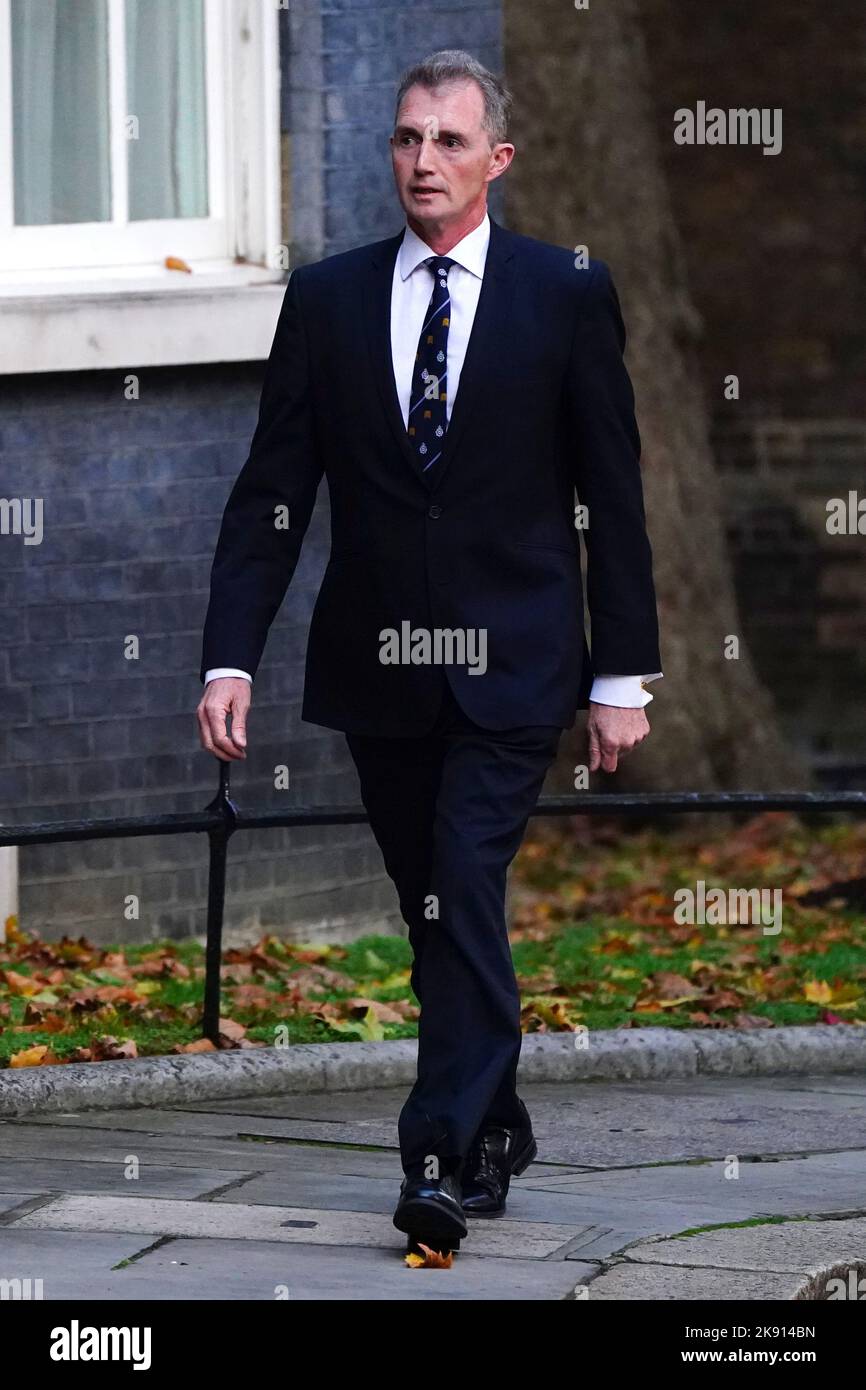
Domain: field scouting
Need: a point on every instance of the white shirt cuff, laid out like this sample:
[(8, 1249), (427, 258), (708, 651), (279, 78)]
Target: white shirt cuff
[(225, 671), (627, 692)]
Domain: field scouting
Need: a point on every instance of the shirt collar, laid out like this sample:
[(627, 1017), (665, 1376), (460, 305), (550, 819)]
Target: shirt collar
[(470, 252)]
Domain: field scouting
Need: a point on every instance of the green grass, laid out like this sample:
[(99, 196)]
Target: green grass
[(594, 940), (738, 1225)]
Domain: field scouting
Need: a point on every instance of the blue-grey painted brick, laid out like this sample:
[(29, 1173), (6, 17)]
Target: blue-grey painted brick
[(169, 612), (111, 739), (121, 507), (14, 793), (81, 545), (170, 577), (349, 69), (52, 782), (166, 734), (171, 769), (33, 745), (96, 779), (130, 775), (51, 661), (352, 32), (49, 701), (346, 148), (462, 28), (13, 626), (350, 6), (74, 582), (47, 623), (107, 698), (95, 619), (174, 542), (17, 703), (171, 694)]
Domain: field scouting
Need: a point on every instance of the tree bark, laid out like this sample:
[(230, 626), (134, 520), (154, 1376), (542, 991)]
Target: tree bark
[(588, 172)]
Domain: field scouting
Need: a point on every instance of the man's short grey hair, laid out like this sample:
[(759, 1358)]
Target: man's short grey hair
[(455, 65)]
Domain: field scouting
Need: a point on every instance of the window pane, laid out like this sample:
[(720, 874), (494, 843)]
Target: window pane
[(60, 111), (165, 77)]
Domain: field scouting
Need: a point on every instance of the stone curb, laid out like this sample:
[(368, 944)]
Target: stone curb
[(633, 1054)]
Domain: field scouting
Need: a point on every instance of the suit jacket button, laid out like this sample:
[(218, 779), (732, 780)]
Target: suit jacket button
[(435, 511)]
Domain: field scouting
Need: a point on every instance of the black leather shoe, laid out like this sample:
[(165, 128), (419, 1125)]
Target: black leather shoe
[(429, 1210), (495, 1157)]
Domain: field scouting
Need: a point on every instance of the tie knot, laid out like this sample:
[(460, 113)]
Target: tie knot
[(440, 265)]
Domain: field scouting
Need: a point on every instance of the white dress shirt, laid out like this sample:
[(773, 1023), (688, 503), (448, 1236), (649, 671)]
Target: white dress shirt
[(411, 288)]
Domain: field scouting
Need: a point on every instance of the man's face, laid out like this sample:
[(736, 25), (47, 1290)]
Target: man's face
[(441, 153)]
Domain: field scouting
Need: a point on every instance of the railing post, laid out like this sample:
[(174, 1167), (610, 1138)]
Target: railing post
[(218, 839)]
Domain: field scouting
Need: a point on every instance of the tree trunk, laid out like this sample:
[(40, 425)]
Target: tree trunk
[(588, 172)]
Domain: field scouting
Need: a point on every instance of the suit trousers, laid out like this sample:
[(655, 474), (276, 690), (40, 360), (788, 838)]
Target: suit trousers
[(449, 810)]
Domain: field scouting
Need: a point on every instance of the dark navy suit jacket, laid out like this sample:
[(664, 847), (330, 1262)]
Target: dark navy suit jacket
[(544, 407)]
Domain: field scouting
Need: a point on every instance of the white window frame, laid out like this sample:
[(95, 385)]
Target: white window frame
[(98, 288)]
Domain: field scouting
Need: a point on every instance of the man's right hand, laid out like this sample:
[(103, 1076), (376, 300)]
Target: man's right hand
[(227, 695)]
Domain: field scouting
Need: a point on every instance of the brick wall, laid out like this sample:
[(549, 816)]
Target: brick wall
[(132, 495), (800, 587)]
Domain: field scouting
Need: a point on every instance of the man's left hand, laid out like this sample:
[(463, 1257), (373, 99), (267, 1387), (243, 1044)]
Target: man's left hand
[(613, 732)]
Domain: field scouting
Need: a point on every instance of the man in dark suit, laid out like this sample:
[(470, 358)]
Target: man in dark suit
[(456, 384)]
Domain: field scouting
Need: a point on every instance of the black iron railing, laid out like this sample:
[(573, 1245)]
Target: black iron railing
[(221, 818)]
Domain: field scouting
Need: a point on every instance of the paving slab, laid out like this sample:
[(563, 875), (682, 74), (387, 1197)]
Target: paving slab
[(783, 1186), (598, 1124), (307, 1188), (64, 1175), (10, 1200), (20, 1139), (632, 1283), (217, 1269), (607, 1125), (355, 1107), (602, 1243), (71, 1265), (205, 1125), (625, 1204), (240, 1222), (841, 1085), (790, 1246)]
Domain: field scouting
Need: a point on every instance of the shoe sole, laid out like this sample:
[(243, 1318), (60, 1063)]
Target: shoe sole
[(528, 1156), (427, 1216)]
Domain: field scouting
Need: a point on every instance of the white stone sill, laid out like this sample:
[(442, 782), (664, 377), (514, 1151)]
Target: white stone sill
[(158, 318)]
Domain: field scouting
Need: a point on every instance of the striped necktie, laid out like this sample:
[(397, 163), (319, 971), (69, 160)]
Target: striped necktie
[(428, 419)]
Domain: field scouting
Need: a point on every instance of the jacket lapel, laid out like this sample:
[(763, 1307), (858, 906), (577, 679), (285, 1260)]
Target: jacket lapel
[(377, 317), (489, 332)]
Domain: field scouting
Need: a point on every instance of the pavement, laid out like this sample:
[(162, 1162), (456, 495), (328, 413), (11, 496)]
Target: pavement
[(290, 1195)]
